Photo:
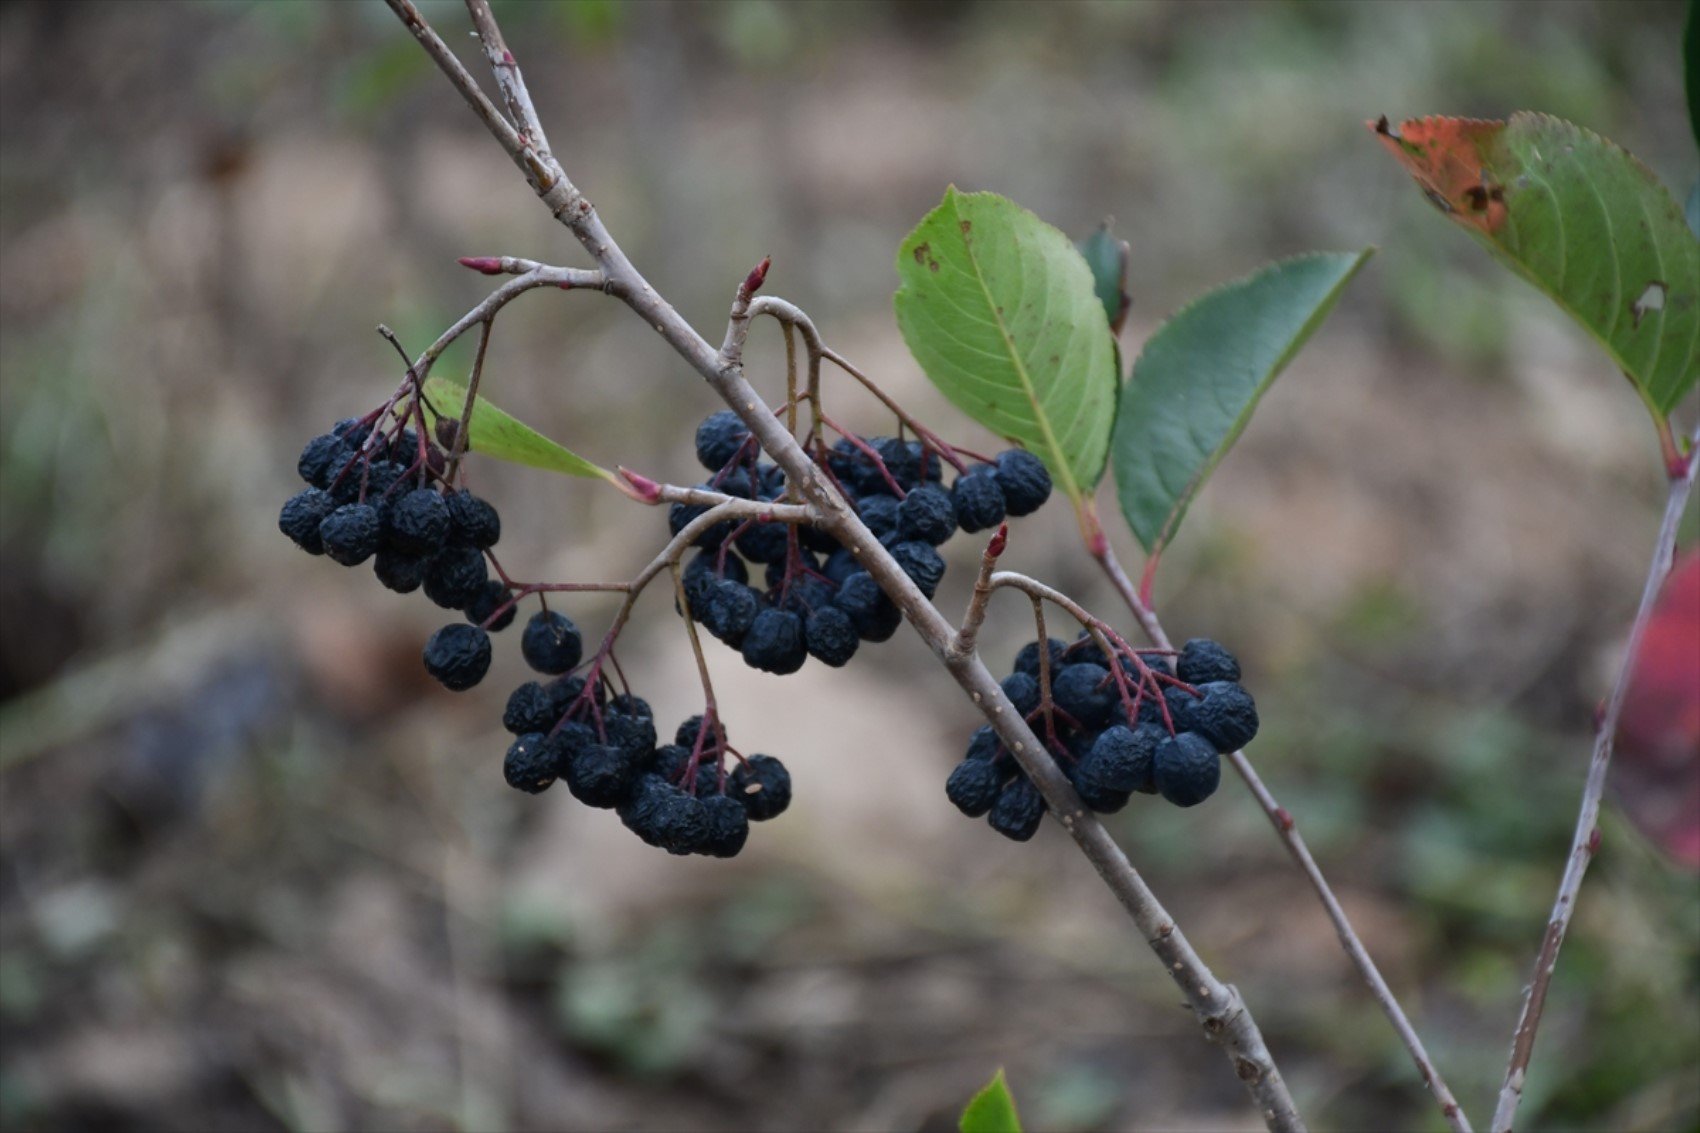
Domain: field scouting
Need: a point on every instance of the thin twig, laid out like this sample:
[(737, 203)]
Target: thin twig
[(1219, 1007), (508, 77), (538, 276), (1585, 842), (465, 423), (1287, 830), (981, 598)]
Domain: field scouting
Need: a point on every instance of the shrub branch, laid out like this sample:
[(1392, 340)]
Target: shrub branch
[(1219, 1007)]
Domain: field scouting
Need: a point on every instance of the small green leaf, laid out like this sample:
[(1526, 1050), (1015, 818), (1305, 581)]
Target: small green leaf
[(1200, 376), (992, 1110), (1000, 311), (1108, 259), (1583, 221), (496, 434)]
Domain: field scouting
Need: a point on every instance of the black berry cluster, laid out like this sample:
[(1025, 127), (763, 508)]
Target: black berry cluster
[(376, 490), (1114, 728), (680, 796), (811, 598)]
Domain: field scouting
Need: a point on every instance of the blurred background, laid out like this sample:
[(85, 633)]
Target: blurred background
[(259, 872)]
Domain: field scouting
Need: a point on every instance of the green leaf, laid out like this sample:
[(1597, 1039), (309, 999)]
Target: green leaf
[(1000, 311), (1580, 219), (1201, 374), (496, 434), (992, 1110), (1108, 258)]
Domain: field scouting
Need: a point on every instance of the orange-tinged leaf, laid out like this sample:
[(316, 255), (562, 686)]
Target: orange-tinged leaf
[(1582, 220), (1451, 159)]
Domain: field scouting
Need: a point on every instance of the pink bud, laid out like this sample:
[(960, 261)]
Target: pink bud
[(757, 276), (644, 488)]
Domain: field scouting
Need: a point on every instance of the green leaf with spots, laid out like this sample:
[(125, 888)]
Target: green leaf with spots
[(992, 1110), (1108, 259), (1199, 377), (1580, 219), (494, 433), (1001, 312)]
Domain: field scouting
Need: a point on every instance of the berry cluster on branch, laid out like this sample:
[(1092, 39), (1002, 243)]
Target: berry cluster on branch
[(816, 600), (1115, 728)]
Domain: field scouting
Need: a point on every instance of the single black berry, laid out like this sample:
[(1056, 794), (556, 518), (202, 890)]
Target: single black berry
[(840, 565), (702, 573), (1202, 661), (600, 775), (878, 513), (681, 823), (762, 785), (399, 572), (921, 563), (473, 521), (632, 733), (301, 516), (455, 577), (1118, 763), (728, 611), (669, 761), (642, 806), (686, 734), (977, 499), (1018, 810), (494, 596), (1023, 693), (531, 708), (417, 522), (984, 744), (926, 514), (728, 826), (1027, 660), (1085, 692), (350, 533), (530, 763), (551, 642), (322, 459), (973, 786), (763, 542), (719, 438), (875, 615), (806, 594), (1226, 715), (1187, 768), (902, 460), (458, 655), (830, 635), (1025, 483), (775, 642)]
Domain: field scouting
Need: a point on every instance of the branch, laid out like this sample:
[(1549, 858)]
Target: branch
[(1287, 830), (1219, 1007), (1585, 843), (534, 276), (508, 79)]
